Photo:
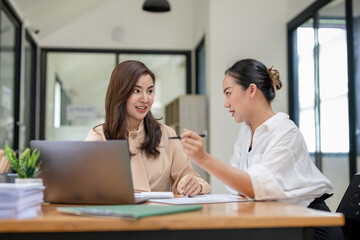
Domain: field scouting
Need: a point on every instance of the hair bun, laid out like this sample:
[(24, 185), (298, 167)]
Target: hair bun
[(275, 78)]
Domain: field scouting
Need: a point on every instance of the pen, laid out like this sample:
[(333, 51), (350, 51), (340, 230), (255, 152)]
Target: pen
[(179, 137)]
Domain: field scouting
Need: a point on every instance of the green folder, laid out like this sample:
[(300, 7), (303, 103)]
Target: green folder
[(128, 211)]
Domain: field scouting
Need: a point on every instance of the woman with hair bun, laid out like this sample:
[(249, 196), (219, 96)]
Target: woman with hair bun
[(270, 160)]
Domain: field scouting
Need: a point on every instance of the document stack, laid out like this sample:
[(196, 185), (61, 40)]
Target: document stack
[(21, 200)]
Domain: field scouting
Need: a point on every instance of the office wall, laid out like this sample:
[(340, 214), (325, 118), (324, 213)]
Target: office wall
[(201, 21), (241, 29)]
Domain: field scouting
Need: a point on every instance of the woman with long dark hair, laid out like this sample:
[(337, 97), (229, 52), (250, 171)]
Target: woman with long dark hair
[(157, 163)]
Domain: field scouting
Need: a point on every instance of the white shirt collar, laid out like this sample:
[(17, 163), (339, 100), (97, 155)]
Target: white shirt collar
[(274, 120)]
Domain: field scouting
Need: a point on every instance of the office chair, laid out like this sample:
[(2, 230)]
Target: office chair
[(350, 207)]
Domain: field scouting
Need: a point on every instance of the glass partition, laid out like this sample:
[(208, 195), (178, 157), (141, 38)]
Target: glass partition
[(320, 76), (333, 79), (7, 80), (306, 82), (333, 94), (76, 85)]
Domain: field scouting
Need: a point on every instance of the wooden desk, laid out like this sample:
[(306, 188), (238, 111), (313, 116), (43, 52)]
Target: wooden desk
[(248, 220)]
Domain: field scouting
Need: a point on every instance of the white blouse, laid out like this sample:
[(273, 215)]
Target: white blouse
[(279, 164)]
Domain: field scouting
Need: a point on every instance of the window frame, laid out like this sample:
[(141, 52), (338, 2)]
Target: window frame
[(312, 12), (33, 84), (7, 8), (116, 52)]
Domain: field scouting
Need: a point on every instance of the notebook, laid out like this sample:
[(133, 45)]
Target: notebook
[(80, 172), (128, 211)]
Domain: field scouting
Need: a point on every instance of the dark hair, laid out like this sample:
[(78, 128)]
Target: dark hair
[(249, 71), (122, 84)]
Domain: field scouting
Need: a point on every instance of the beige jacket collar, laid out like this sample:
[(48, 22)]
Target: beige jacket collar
[(135, 139)]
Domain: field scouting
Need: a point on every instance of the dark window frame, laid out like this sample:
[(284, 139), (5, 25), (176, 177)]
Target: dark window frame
[(311, 12), (197, 67), (7, 8), (33, 84)]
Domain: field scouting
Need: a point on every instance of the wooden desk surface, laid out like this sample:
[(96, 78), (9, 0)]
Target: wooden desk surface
[(212, 216)]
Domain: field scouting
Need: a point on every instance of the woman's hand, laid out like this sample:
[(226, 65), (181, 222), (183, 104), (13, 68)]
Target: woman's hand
[(193, 146), (189, 186)]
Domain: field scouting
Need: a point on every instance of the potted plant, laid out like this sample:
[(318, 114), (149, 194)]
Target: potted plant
[(27, 166)]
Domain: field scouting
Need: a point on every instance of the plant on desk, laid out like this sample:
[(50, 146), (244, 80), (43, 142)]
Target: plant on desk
[(27, 166)]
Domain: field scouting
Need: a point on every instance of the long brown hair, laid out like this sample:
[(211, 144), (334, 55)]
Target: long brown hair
[(122, 84)]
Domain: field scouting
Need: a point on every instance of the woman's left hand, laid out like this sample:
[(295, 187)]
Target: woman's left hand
[(189, 186)]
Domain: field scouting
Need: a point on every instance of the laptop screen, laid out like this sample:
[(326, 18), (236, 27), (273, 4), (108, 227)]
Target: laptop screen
[(80, 172)]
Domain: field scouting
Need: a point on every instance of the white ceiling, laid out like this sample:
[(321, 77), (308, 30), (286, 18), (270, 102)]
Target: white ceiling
[(92, 23), (50, 15)]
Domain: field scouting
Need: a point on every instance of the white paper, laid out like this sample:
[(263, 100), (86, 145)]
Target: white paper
[(21, 200), (203, 199), (21, 186), (155, 195), (30, 212)]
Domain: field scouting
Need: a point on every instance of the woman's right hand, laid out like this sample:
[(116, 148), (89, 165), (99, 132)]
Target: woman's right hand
[(193, 146)]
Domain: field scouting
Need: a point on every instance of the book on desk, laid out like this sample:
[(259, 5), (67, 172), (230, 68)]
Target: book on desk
[(128, 211), (182, 204)]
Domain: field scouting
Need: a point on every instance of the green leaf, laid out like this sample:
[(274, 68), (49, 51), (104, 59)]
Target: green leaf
[(28, 166), (35, 156), (24, 156), (14, 162)]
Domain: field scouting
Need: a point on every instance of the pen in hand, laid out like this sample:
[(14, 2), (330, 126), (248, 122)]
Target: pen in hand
[(179, 137), (180, 196)]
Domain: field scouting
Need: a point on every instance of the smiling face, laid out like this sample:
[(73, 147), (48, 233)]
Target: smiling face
[(140, 101), (237, 100)]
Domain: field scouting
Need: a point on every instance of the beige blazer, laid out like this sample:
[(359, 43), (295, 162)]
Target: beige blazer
[(162, 173)]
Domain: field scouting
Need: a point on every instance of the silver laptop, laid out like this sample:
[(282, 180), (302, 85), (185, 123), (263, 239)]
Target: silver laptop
[(80, 172)]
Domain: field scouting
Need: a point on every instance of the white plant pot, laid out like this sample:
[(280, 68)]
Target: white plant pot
[(29, 180)]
